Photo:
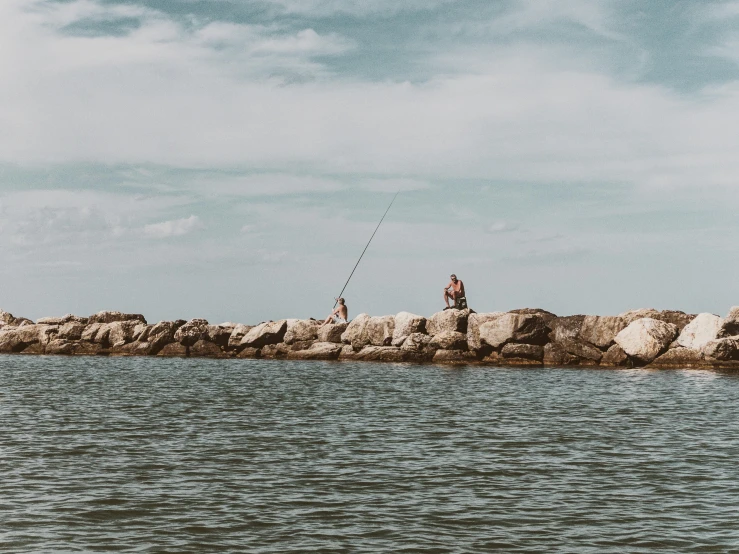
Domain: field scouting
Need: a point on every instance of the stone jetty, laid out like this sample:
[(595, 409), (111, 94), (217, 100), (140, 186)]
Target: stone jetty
[(524, 338)]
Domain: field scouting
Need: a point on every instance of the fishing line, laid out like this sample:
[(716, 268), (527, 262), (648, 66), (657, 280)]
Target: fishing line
[(365, 249)]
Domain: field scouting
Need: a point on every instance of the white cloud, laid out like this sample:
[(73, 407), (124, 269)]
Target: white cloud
[(321, 8), (165, 94), (174, 227), (500, 227)]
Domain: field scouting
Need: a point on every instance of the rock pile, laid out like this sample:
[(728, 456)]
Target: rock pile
[(524, 337)]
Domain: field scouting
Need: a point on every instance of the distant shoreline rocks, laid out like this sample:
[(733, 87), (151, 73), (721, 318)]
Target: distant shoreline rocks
[(528, 337)]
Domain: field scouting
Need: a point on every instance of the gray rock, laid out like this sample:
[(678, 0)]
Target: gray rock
[(581, 349), (614, 357), (173, 350), (406, 324), (264, 334), (726, 348), (7, 318), (71, 331), (219, 335), (331, 332), (192, 332), (59, 347), (10, 341), (416, 342), (91, 330), (448, 320), (646, 338), (317, 351), (454, 357), (526, 329), (523, 351), (449, 340), (730, 326), (601, 330), (162, 334), (237, 333), (382, 354), (355, 333), (117, 333), (679, 358), (473, 328), (703, 329), (677, 318), (250, 353), (301, 330), (565, 327), (206, 349), (369, 331), (556, 356), (69, 318), (110, 317), (275, 351), (544, 315)]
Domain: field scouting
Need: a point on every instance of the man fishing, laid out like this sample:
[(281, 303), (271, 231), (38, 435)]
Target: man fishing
[(453, 291), (339, 315)]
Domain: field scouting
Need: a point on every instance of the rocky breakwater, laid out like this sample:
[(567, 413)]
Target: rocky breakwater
[(523, 338)]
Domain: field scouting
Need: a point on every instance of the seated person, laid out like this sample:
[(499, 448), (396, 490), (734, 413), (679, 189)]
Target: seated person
[(339, 315), (453, 291)]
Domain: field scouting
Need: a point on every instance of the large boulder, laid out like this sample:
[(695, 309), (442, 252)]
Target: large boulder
[(206, 349), (416, 342), (369, 331), (555, 356), (10, 341), (581, 349), (192, 332), (601, 330), (163, 333), (614, 357), (677, 318), (91, 331), (110, 317), (59, 347), (383, 354), (730, 327), (525, 329), (543, 314), (454, 357), (301, 330), (722, 349), (121, 332), (317, 351), (523, 351), (31, 334), (331, 332), (703, 329), (237, 333), (448, 320), (173, 350), (406, 324), (449, 340), (473, 328), (219, 334), (646, 338), (565, 327), (271, 332), (355, 331), (71, 331), (680, 358)]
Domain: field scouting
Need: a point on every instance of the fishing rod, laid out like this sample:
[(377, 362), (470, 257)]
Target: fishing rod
[(365, 248)]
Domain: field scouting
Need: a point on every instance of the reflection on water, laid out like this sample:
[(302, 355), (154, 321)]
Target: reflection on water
[(153, 455)]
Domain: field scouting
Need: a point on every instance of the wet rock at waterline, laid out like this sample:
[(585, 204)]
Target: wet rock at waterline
[(526, 337)]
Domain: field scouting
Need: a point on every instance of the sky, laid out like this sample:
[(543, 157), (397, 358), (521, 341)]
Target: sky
[(229, 159)]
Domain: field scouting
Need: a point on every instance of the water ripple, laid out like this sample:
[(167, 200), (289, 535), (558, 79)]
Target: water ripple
[(149, 455)]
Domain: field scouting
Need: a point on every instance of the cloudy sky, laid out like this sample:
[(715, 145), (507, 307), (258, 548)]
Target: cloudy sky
[(228, 159)]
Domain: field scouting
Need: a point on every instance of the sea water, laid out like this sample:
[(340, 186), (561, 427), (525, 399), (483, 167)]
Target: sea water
[(175, 455)]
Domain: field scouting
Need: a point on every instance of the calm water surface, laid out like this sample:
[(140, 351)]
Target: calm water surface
[(151, 455)]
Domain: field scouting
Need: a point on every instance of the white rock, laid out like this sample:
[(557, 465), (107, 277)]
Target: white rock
[(704, 328), (646, 338), (473, 327), (406, 324)]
